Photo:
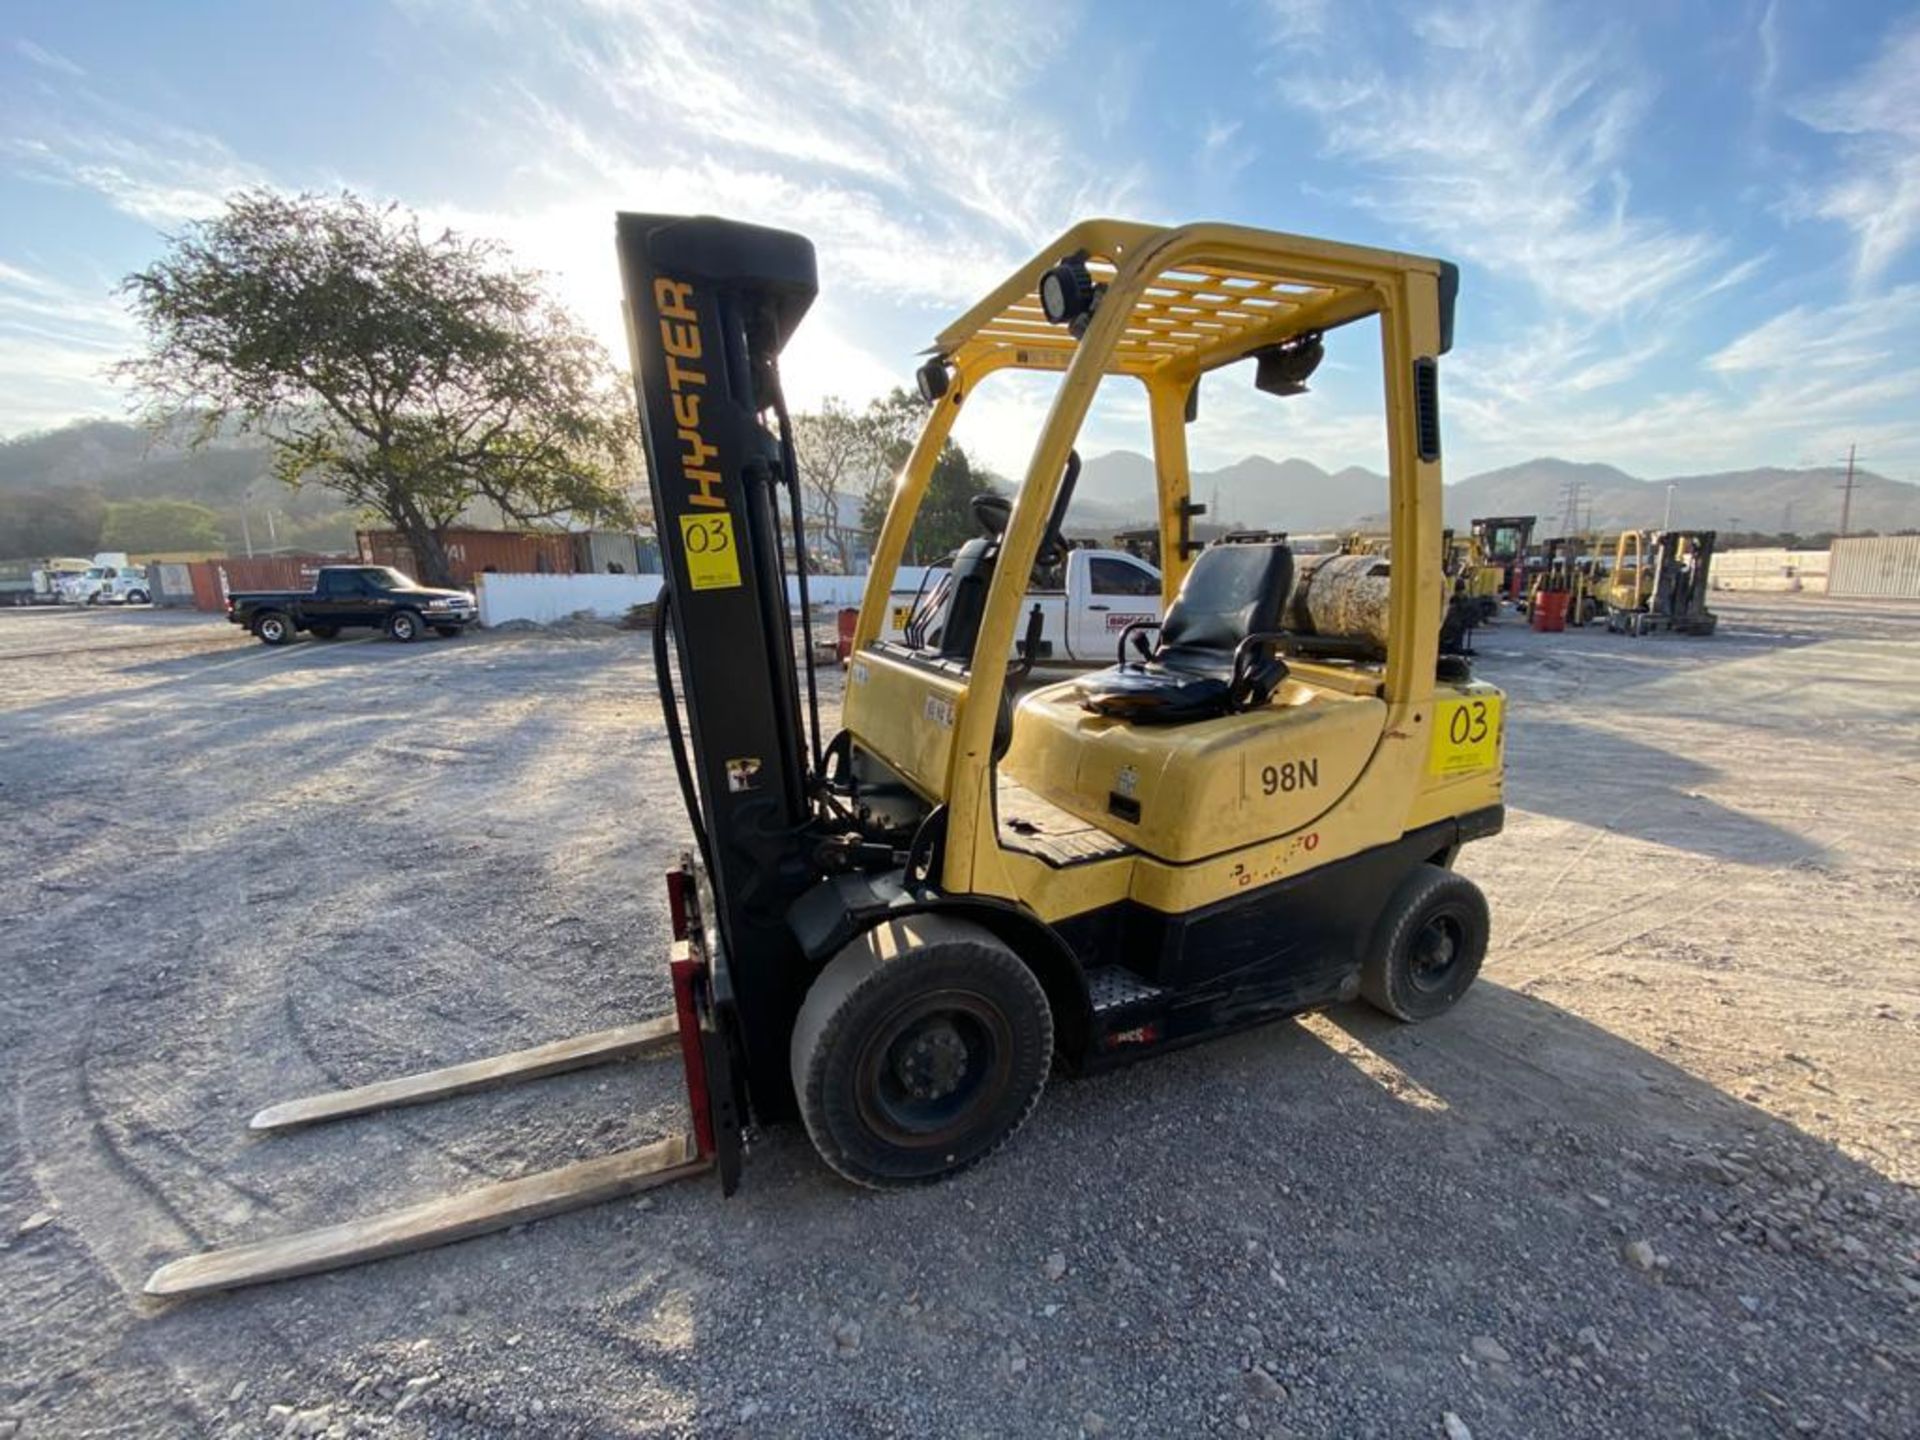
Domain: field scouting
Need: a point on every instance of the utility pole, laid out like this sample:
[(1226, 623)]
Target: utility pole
[(1571, 492), (1666, 520), (1846, 497)]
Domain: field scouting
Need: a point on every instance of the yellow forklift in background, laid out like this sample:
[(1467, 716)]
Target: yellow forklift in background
[(1558, 591), (895, 934), (1506, 545), (1627, 585), (1476, 577)]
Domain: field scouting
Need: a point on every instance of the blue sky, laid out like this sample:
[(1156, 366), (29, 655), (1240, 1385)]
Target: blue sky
[(1690, 232)]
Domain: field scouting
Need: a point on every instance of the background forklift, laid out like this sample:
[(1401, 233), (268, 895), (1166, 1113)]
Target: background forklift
[(1506, 543), (897, 933), (1660, 581), (1559, 590)]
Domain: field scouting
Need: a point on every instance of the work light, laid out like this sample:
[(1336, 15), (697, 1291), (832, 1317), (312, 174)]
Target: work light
[(1067, 291), (933, 378)]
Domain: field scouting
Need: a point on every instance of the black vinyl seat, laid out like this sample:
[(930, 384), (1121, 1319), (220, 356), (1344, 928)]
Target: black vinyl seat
[(1235, 590)]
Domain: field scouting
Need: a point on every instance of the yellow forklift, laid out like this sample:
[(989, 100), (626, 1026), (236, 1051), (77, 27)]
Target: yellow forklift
[(1627, 585), (1505, 545), (897, 933)]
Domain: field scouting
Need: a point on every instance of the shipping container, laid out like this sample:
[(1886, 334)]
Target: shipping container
[(214, 580), (471, 552), (172, 582), (615, 552), (1875, 567)]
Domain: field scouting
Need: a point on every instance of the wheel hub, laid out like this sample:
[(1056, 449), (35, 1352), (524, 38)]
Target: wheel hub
[(929, 1066), (1435, 949)]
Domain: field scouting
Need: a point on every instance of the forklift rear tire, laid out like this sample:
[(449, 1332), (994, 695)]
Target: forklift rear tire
[(1427, 945), (920, 1050)]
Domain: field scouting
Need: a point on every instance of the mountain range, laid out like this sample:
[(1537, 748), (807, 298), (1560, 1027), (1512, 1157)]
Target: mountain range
[(117, 461), (1116, 490)]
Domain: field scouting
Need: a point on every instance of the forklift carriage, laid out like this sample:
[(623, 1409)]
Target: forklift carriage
[(897, 933)]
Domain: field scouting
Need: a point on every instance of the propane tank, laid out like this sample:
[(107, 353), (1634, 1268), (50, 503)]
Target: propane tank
[(1342, 595)]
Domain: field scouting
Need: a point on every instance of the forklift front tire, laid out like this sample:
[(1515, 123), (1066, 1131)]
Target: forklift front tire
[(1427, 945), (920, 1050)]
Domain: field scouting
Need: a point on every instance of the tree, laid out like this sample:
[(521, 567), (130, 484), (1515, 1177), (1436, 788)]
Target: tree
[(42, 523), (161, 525), (945, 520), (413, 375), (831, 446)]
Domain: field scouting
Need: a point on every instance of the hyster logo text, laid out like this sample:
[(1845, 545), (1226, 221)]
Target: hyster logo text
[(680, 338)]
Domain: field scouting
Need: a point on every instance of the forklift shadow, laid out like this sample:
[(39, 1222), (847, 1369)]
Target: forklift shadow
[(1603, 780), (1510, 1110)]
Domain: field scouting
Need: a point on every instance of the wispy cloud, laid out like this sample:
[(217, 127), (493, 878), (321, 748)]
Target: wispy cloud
[(56, 343), (912, 151), (156, 172), (1223, 154), (47, 59), (1876, 114), (1796, 388), (1508, 144)]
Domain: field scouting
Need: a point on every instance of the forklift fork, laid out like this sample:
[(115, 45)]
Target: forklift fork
[(692, 1029)]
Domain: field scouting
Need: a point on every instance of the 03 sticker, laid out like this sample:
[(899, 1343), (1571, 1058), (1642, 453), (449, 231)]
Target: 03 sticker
[(1466, 736), (713, 562)]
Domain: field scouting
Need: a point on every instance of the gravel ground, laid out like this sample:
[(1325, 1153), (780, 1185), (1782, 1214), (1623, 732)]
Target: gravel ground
[(1655, 1176)]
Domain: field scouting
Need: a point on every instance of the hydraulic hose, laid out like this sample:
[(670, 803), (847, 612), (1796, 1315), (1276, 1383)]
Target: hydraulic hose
[(676, 739), (790, 464)]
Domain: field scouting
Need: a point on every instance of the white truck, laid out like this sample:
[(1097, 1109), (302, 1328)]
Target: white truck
[(110, 580), (1097, 595)]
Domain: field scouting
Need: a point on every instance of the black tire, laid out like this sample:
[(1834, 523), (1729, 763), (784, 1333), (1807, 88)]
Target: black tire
[(138, 597), (273, 627), (1427, 945), (323, 632), (921, 1048), (446, 632), (404, 626)]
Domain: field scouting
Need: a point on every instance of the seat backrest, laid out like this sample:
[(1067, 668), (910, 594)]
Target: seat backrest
[(1232, 591)]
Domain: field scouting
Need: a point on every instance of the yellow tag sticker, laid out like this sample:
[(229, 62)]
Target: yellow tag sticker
[(712, 561), (901, 615), (1466, 736)]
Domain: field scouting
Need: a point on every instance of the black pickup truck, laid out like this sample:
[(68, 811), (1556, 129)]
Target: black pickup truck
[(347, 597)]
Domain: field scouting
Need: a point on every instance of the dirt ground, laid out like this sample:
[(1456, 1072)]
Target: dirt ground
[(1654, 1176)]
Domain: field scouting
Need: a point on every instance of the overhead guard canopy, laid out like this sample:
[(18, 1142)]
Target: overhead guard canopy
[(1193, 316)]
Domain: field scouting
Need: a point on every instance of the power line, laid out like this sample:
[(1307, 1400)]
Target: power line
[(1571, 494), (1846, 489)]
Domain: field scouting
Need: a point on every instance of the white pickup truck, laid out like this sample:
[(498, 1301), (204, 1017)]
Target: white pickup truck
[(1098, 594)]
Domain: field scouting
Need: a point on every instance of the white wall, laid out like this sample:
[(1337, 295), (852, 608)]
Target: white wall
[(1793, 570), (543, 599)]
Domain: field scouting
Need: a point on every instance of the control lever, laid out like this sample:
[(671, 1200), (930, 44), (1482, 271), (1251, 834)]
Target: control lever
[(1030, 646)]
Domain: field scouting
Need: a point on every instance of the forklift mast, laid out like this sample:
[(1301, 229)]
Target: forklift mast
[(710, 305)]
